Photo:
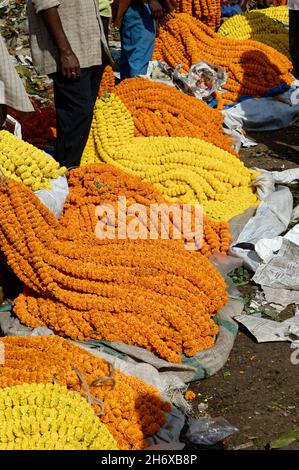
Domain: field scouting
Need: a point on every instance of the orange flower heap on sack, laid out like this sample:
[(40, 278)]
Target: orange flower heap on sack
[(160, 110), (132, 410), (148, 293), (99, 183), (253, 68), (207, 11)]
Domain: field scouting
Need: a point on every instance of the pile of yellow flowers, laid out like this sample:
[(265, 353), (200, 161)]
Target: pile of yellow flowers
[(183, 169), (259, 25), (49, 417), (27, 164)]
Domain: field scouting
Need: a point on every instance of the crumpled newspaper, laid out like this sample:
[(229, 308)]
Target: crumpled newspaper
[(202, 81), (265, 330)]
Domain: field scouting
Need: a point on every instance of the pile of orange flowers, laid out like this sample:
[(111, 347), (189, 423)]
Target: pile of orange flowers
[(132, 411), (278, 3), (160, 110), (148, 293), (252, 67), (207, 11), (100, 183), (38, 127)]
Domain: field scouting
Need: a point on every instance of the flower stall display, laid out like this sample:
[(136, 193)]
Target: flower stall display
[(150, 293), (101, 184), (252, 67), (186, 170), (131, 410)]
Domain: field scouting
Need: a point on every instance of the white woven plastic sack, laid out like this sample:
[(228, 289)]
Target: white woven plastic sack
[(55, 198)]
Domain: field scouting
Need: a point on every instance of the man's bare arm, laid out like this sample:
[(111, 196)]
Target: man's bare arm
[(70, 67)]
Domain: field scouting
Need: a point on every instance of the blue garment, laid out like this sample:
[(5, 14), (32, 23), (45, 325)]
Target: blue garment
[(137, 34), (228, 10)]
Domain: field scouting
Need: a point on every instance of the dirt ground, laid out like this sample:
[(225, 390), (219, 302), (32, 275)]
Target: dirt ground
[(258, 389)]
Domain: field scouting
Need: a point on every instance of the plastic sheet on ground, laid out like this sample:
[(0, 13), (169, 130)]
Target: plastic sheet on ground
[(208, 431), (202, 80), (264, 244), (272, 218), (264, 114)]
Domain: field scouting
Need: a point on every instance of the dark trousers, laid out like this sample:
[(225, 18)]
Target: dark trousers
[(74, 102), (294, 40)]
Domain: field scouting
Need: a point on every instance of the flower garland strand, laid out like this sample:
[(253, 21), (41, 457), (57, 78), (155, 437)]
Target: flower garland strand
[(258, 26), (27, 164), (207, 11), (160, 110), (100, 183)]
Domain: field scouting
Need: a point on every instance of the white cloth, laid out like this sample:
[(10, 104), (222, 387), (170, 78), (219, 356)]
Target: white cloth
[(12, 91), (293, 4)]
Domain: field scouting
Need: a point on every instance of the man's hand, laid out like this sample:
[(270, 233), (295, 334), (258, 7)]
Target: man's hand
[(156, 9), (3, 114), (70, 67)]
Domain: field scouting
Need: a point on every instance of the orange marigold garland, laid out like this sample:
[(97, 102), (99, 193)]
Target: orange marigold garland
[(99, 183), (253, 68), (207, 11), (108, 81), (133, 411), (150, 293), (160, 110)]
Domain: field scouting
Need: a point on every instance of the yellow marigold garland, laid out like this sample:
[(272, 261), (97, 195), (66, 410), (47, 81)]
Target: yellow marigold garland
[(159, 110), (184, 170), (149, 293), (49, 417), (100, 183), (26, 163), (253, 68), (133, 411), (259, 26)]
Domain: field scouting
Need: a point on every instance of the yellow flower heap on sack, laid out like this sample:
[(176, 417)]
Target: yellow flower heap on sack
[(49, 417), (259, 26), (25, 163), (183, 169)]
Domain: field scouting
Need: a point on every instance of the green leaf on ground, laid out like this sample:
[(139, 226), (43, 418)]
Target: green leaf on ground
[(286, 439)]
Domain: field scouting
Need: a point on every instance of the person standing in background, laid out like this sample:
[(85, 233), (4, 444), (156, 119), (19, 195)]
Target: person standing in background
[(136, 20), (294, 34), (68, 43), (105, 7), (12, 90)]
